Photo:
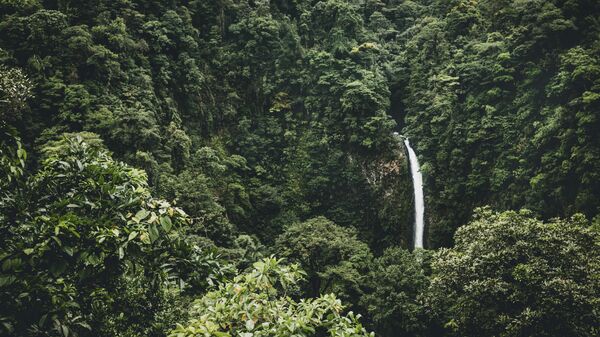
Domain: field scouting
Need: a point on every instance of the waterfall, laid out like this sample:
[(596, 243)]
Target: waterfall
[(417, 179)]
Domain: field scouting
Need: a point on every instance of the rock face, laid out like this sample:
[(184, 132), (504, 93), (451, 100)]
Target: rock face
[(390, 179)]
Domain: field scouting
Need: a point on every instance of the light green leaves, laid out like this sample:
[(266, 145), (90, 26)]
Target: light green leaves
[(166, 223), (249, 325), (132, 235), (141, 215), (254, 305), (89, 226)]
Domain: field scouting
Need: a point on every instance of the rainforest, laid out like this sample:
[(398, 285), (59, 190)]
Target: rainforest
[(299, 168)]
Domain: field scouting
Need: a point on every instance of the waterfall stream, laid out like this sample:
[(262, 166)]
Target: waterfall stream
[(417, 179)]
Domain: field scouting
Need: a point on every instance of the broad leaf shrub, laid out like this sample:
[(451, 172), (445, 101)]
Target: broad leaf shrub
[(256, 304), (88, 251)]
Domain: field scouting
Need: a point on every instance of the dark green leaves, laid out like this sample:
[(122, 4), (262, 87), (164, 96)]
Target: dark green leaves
[(89, 225), (511, 273)]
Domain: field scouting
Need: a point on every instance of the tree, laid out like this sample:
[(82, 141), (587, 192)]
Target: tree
[(77, 236), (256, 304), (332, 256), (512, 275), (394, 289), (211, 191)]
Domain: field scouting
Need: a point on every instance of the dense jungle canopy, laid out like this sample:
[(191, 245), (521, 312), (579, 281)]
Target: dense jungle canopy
[(228, 168)]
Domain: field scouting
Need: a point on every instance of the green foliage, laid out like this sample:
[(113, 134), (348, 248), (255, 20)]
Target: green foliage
[(15, 89), (512, 275), (497, 97), (245, 251), (255, 115), (332, 256), (12, 159), (255, 304), (394, 289), (161, 82), (211, 190), (78, 234)]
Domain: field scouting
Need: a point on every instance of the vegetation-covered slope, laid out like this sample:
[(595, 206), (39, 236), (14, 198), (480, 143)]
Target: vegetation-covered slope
[(269, 126)]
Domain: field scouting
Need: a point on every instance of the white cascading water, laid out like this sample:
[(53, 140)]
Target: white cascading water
[(417, 179)]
